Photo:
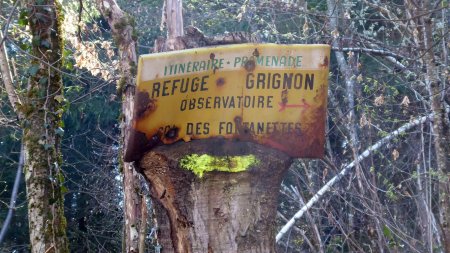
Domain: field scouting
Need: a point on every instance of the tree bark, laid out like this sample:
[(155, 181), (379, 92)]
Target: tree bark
[(124, 34), (7, 78), (221, 212), (41, 121), (441, 127), (174, 18)]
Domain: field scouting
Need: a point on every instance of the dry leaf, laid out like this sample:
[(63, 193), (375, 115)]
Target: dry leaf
[(395, 154), (335, 33), (379, 100), (359, 78), (363, 120), (405, 101), (305, 28)]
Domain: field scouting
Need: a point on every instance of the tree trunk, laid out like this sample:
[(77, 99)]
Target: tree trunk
[(219, 212), (174, 18), (124, 34), (41, 125), (441, 128)]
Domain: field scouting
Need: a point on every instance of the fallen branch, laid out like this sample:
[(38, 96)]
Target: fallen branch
[(345, 171)]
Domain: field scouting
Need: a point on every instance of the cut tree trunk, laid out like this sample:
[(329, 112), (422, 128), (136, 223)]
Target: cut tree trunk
[(124, 34), (219, 212)]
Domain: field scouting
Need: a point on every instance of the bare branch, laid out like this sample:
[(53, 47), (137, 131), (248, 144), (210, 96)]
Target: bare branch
[(381, 52), (8, 79), (318, 196)]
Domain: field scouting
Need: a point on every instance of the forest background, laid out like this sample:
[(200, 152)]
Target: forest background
[(388, 137)]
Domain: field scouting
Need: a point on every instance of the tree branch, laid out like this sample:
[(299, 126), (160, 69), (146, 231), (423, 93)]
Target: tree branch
[(8, 79), (345, 171), (381, 52)]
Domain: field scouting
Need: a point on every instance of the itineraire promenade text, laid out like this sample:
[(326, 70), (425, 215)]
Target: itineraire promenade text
[(220, 63)]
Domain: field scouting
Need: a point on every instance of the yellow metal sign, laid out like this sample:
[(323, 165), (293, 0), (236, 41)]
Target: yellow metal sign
[(271, 94)]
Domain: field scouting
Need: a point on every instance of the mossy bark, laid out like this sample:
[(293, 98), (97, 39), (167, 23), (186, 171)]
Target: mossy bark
[(220, 211), (124, 34), (41, 110)]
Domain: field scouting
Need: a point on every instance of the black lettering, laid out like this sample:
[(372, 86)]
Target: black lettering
[(183, 105), (198, 128), (232, 102), (189, 128), (246, 101), (195, 84), (239, 101), (174, 85), (208, 103), (165, 87), (249, 83), (217, 102), (260, 81), (192, 104), (200, 103), (229, 128), (309, 81), (251, 126), (260, 128), (184, 85), (156, 87), (221, 126), (276, 83), (298, 79), (269, 102), (260, 101), (225, 101), (206, 128), (287, 81), (204, 81)]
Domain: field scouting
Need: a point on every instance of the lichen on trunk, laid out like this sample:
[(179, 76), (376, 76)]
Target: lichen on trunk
[(41, 124), (199, 164)]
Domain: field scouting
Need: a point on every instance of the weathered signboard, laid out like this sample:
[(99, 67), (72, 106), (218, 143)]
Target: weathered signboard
[(271, 94)]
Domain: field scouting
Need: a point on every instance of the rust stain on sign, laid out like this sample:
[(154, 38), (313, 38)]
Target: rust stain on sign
[(271, 94)]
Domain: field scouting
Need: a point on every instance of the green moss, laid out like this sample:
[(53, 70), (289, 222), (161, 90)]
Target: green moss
[(133, 68), (199, 164), (123, 22), (121, 85)]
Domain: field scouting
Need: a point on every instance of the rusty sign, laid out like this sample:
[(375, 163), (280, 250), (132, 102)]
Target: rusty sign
[(271, 94)]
